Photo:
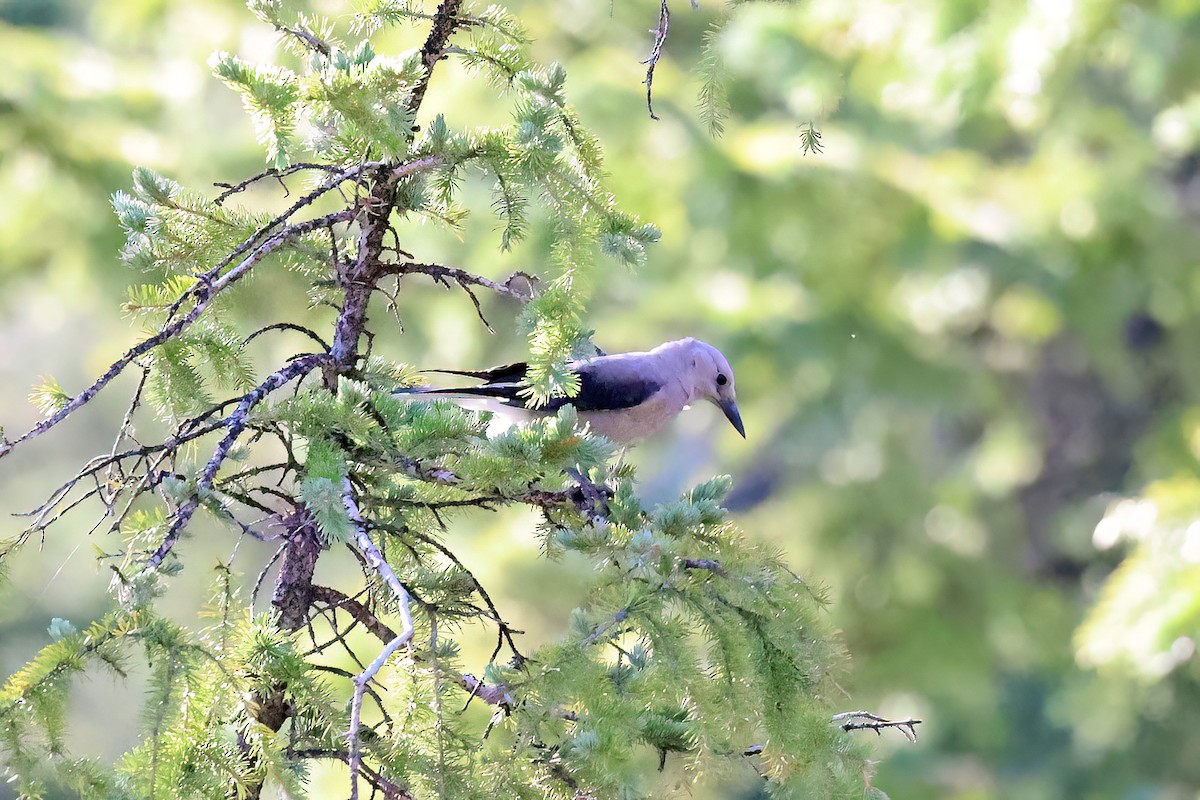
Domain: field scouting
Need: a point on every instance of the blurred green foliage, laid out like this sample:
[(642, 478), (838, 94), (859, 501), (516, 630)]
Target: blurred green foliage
[(965, 333)]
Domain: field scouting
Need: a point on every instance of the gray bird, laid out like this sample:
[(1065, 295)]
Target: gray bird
[(623, 397)]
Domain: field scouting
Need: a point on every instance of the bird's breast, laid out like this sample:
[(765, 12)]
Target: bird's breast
[(638, 422)]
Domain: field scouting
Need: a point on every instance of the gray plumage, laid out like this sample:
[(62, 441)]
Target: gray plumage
[(622, 397)]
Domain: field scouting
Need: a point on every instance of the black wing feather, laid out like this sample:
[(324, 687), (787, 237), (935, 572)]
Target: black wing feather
[(506, 383), (505, 373), (596, 395)]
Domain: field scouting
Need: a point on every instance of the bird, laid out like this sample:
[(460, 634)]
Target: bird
[(624, 397)]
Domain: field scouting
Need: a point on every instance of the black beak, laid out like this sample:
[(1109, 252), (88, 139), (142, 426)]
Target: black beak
[(735, 418)]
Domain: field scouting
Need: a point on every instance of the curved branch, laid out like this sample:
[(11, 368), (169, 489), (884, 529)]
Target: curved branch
[(287, 326), (660, 39), (335, 600), (376, 560)]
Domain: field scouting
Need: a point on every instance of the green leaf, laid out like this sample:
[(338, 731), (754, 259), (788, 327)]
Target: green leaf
[(323, 498), (61, 628), (270, 95), (50, 397), (151, 187)]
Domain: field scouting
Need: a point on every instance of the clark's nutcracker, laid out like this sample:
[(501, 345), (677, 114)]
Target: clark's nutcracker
[(623, 397)]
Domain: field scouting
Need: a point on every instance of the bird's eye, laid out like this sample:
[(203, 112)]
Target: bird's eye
[(721, 379)]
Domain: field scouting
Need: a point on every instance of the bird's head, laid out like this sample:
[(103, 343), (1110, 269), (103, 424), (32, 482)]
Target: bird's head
[(712, 378)]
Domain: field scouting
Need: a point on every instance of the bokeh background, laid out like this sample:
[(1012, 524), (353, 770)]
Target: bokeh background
[(966, 337)]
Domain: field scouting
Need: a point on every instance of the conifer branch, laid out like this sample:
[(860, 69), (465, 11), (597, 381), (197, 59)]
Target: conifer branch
[(305, 37), (303, 545), (492, 694), (357, 448), (114, 460), (506, 631), (358, 280), (351, 173), (495, 694), (336, 600), (709, 564)]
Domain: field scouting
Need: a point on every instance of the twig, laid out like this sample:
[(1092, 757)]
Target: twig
[(496, 694), (287, 326), (262, 575), (233, 188), (377, 562), (306, 37), (441, 274), (850, 722), (604, 627), (660, 39), (127, 422), (335, 599), (100, 463)]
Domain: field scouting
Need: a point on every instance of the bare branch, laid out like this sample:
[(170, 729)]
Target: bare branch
[(442, 274), (287, 326), (660, 39), (377, 562), (335, 600), (865, 720), (390, 790), (113, 460), (278, 174)]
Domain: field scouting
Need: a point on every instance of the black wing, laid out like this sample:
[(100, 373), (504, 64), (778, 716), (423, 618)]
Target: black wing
[(608, 395), (507, 384)]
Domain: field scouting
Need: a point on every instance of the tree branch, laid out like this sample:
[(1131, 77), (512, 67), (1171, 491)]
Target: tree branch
[(234, 424), (389, 789), (865, 720), (442, 274), (335, 600), (278, 174), (660, 39), (377, 562), (445, 21)]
